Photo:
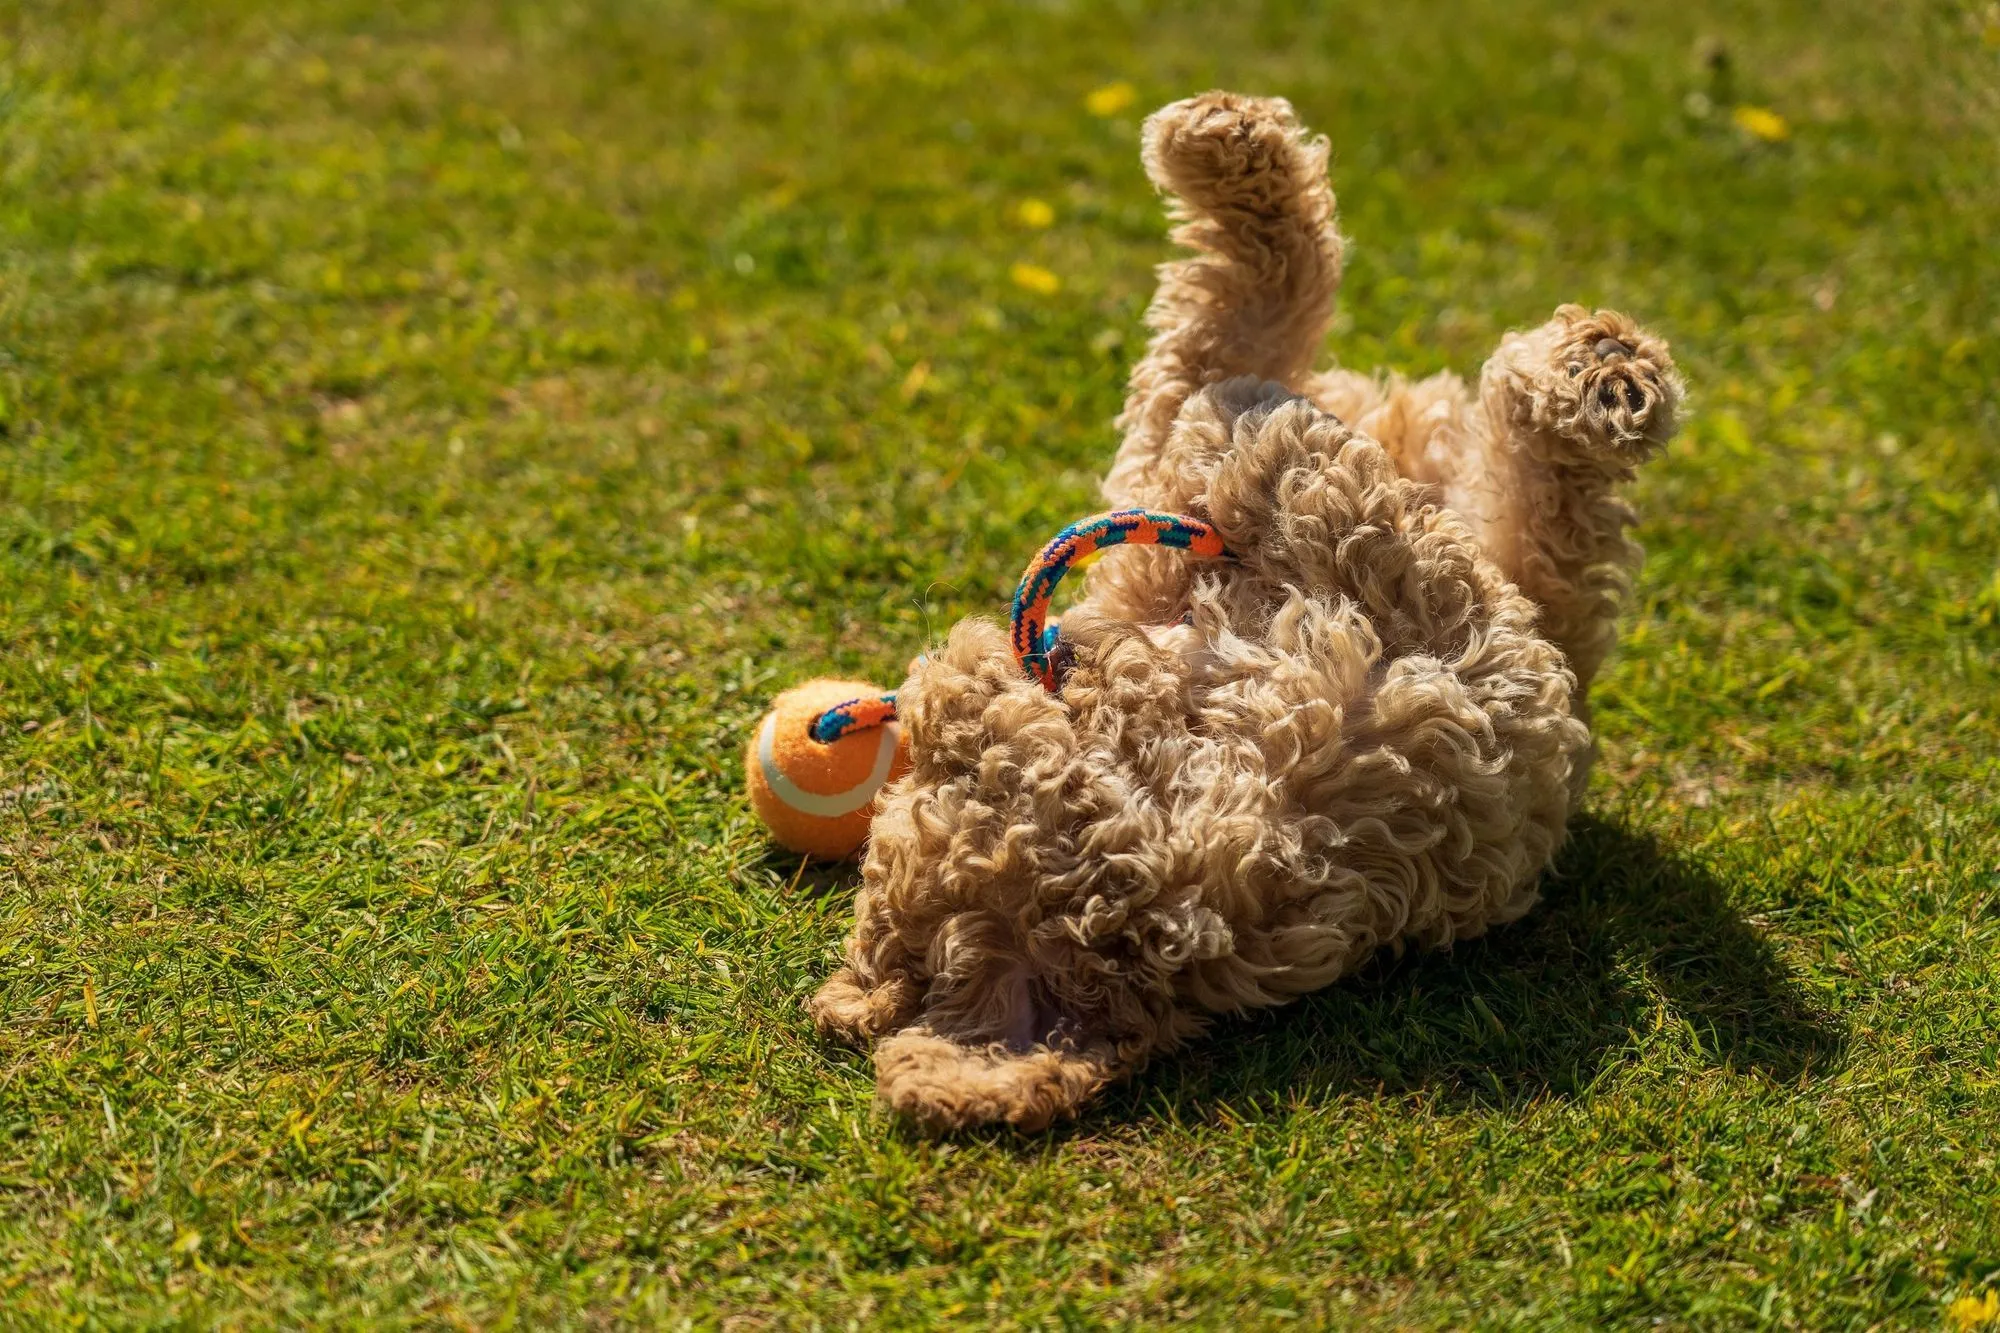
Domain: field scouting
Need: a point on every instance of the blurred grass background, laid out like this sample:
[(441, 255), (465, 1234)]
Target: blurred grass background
[(429, 433)]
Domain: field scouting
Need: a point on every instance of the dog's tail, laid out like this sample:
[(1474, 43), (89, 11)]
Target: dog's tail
[(1251, 198)]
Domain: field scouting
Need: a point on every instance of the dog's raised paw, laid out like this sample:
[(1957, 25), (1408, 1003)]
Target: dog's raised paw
[(1608, 384), (1228, 150)]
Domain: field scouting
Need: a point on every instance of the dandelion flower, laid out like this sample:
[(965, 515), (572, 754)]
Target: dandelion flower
[(1035, 278), (1972, 1311), (1034, 213), (1762, 122), (1110, 99)]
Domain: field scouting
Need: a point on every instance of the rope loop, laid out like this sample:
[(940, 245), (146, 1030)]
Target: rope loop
[(844, 719), (1033, 638)]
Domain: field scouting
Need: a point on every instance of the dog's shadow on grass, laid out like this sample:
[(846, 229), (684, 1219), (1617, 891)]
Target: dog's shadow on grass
[(1628, 935)]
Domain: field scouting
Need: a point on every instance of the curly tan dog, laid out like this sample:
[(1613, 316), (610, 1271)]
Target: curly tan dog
[(1366, 731)]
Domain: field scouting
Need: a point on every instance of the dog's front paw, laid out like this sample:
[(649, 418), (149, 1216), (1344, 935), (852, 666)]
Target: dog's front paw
[(1597, 379)]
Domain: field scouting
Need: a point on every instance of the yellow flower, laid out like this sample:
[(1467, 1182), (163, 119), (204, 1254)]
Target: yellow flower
[(1971, 1311), (1762, 122), (1110, 99), (1034, 213), (1035, 278)]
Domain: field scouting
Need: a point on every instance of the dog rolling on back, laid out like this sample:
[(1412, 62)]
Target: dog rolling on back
[(1367, 730)]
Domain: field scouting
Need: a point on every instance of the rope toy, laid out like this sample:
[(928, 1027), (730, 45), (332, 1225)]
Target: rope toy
[(817, 761)]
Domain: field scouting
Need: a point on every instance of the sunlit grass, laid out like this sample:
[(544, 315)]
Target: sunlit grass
[(431, 433)]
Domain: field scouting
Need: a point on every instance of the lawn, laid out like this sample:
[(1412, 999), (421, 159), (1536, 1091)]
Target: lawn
[(430, 433)]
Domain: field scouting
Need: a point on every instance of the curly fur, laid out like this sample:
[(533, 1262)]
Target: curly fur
[(1366, 732)]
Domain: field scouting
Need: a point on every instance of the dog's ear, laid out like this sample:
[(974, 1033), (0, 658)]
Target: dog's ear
[(968, 693), (943, 1084), (993, 1042)]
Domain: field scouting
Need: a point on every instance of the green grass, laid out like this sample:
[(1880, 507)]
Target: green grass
[(432, 431)]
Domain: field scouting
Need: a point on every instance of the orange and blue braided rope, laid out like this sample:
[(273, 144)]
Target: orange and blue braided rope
[(1032, 637), (861, 714), (1078, 542)]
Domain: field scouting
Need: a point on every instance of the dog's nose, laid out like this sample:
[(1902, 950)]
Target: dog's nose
[(1062, 660), (1609, 347)]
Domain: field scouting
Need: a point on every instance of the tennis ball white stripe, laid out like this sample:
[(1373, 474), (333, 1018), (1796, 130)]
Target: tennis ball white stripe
[(812, 803)]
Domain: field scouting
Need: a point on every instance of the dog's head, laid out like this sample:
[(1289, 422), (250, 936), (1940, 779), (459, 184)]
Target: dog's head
[(1013, 861)]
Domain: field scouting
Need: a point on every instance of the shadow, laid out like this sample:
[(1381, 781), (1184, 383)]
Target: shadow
[(813, 878), (1542, 1008)]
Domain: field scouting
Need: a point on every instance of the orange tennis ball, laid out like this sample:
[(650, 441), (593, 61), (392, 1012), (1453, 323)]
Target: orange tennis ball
[(817, 799)]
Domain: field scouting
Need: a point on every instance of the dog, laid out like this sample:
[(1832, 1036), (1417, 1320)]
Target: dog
[(1366, 730)]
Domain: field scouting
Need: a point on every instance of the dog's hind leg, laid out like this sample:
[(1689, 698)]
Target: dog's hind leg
[(1568, 410), (1249, 192), (1251, 197)]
